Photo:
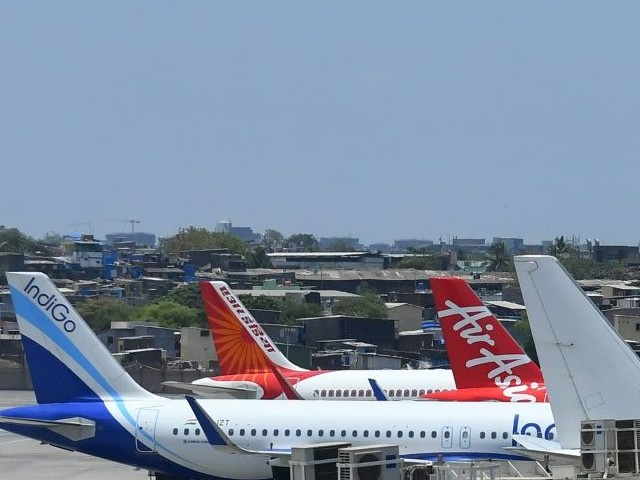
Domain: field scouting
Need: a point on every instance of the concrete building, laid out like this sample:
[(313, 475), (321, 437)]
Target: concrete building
[(197, 345), (407, 316)]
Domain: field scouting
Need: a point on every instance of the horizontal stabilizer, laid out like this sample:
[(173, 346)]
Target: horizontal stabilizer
[(537, 448), (214, 391), (75, 428)]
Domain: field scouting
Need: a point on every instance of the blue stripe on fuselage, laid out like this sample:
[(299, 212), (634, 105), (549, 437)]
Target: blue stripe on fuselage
[(111, 441)]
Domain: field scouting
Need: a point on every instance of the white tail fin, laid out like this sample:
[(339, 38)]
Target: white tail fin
[(590, 371), (66, 359)]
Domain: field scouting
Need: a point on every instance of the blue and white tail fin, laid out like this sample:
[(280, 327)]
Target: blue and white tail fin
[(590, 371), (67, 361)]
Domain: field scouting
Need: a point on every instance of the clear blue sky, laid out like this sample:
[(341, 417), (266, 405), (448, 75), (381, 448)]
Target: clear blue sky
[(379, 120)]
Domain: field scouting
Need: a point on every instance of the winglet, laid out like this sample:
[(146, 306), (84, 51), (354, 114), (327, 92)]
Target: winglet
[(214, 434), (378, 393)]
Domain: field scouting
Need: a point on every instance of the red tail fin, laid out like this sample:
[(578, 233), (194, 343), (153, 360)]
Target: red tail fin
[(481, 351), (241, 344)]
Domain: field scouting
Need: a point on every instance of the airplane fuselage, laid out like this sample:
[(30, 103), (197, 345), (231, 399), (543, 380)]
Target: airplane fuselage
[(163, 435)]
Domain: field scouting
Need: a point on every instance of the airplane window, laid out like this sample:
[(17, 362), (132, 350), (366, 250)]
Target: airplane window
[(320, 433), (175, 431), (198, 431), (437, 390), (346, 393), (343, 433), (353, 393), (421, 391), (505, 435), (354, 433), (422, 433), (264, 432), (186, 431), (447, 434), (465, 434), (230, 432), (361, 393), (399, 433), (242, 432), (493, 435), (298, 432), (398, 393), (410, 433), (323, 393), (275, 432), (376, 433), (287, 432), (388, 434), (331, 393), (332, 433), (338, 393), (309, 433), (551, 435), (539, 435), (482, 434), (253, 432), (414, 393), (367, 393), (434, 434), (391, 393), (429, 391), (316, 393), (365, 433)]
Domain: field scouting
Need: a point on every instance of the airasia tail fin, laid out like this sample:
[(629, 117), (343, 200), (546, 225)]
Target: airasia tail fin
[(241, 344), (481, 352)]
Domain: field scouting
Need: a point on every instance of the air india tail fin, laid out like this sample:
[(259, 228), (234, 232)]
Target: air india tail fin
[(590, 371), (241, 344), (67, 361), (481, 351)]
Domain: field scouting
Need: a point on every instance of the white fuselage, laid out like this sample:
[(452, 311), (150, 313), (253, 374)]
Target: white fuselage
[(462, 430)]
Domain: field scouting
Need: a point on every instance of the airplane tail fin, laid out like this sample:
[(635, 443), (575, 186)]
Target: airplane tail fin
[(590, 371), (241, 344), (474, 339), (67, 361)]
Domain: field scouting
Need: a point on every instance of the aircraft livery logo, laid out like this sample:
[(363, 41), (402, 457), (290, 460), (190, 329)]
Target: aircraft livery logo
[(51, 304)]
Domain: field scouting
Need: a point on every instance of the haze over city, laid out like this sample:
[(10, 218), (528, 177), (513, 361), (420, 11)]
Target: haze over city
[(367, 119)]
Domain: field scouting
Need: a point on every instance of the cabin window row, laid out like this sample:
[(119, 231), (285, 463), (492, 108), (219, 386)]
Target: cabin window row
[(361, 393)]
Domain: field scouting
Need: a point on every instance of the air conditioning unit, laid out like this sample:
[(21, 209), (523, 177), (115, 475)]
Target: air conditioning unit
[(369, 462), (313, 462), (598, 446)]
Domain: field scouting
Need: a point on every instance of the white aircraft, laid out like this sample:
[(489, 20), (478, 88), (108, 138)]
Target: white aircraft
[(248, 357), (591, 373), (88, 403)]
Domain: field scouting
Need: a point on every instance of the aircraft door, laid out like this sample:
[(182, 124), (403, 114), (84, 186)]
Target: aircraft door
[(447, 434), (146, 430), (465, 437)]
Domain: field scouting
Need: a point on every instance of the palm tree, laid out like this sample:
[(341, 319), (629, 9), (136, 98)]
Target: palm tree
[(498, 258)]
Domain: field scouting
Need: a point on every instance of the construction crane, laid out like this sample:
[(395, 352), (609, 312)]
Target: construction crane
[(128, 220)]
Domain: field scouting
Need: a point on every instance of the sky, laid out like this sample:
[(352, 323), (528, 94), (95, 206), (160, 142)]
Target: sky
[(372, 119)]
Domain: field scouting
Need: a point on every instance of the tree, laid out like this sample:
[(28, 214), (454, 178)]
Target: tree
[(272, 240), (170, 314), (560, 248), (257, 258), (260, 302), (528, 345), (367, 305), (498, 258), (303, 242), (100, 312), (292, 310), (340, 245), (13, 240), (193, 238)]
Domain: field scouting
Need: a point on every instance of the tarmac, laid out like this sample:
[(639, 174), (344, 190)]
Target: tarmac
[(23, 458)]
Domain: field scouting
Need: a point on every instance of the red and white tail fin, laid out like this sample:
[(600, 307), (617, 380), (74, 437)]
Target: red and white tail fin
[(241, 344), (481, 351)]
